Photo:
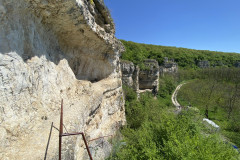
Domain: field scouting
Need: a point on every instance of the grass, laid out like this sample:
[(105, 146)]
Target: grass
[(153, 131), (216, 113)]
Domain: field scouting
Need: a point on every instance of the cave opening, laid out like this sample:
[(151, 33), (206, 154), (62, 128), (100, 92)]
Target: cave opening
[(91, 67)]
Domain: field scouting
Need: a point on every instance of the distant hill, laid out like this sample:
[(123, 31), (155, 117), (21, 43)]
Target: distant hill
[(186, 58)]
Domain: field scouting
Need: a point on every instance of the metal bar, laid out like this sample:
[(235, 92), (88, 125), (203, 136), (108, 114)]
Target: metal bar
[(61, 131), (99, 138), (56, 128), (61, 134), (71, 134), (65, 127), (89, 153), (84, 139), (45, 157)]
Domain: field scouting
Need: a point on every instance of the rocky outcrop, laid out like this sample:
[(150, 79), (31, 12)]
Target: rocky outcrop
[(203, 64), (237, 64), (168, 67), (53, 50), (218, 64), (128, 69), (141, 80), (130, 74), (149, 77)]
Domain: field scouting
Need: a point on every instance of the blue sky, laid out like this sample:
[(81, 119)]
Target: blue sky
[(197, 24)]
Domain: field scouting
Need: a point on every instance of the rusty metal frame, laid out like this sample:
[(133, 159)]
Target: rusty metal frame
[(61, 134), (45, 156), (99, 138)]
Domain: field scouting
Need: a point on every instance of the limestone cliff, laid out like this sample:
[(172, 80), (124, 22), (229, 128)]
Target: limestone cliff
[(52, 50), (141, 80), (237, 64), (149, 77), (203, 64), (168, 66), (130, 74)]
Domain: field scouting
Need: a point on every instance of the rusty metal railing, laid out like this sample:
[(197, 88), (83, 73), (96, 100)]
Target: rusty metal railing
[(61, 134), (45, 156)]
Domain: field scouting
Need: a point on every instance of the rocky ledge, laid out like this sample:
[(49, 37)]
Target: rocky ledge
[(53, 50)]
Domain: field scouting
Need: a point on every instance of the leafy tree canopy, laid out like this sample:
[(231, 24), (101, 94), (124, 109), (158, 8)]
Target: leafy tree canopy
[(186, 58)]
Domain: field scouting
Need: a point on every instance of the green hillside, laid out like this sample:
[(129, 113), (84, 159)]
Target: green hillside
[(155, 132), (186, 58)]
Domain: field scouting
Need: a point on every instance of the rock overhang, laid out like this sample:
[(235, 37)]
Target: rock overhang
[(43, 43), (85, 33)]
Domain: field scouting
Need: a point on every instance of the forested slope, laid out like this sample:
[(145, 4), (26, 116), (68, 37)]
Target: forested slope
[(216, 92), (153, 131), (186, 58)]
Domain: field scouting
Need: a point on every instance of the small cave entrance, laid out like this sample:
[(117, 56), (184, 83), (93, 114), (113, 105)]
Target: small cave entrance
[(91, 67)]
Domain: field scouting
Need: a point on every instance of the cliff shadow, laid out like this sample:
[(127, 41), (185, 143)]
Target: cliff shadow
[(88, 56)]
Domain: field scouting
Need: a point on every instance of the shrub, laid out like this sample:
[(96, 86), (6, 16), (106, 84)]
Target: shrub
[(153, 132), (173, 138)]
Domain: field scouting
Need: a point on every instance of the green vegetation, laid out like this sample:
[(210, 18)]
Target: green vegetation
[(91, 2), (216, 93), (186, 58), (153, 131)]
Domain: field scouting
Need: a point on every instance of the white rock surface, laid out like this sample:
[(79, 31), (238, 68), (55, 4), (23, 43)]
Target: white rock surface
[(211, 123), (149, 77), (168, 66), (53, 50), (128, 69)]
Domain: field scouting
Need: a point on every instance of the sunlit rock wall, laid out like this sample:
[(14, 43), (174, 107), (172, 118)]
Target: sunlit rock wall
[(53, 50), (149, 77)]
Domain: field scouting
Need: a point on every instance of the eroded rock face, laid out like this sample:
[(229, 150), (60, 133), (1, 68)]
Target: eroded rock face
[(168, 66), (203, 64), (127, 68), (141, 80), (149, 78), (237, 64), (130, 74), (53, 50)]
